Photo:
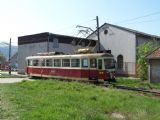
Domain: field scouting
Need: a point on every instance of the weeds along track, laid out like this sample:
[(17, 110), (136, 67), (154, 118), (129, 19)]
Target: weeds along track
[(142, 90), (95, 82)]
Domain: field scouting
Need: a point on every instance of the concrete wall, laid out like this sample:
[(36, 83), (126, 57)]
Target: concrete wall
[(141, 40), (34, 48), (120, 42), (29, 50)]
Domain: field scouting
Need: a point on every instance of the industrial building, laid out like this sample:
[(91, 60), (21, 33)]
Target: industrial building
[(30, 45)]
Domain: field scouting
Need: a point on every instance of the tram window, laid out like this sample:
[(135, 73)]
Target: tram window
[(75, 62), (99, 64), (35, 62), (49, 62), (43, 62), (65, 62), (109, 63), (29, 62), (57, 63), (93, 63), (84, 62)]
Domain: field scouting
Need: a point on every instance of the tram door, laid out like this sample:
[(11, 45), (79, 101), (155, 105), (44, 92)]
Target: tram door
[(100, 68), (93, 73), (42, 64)]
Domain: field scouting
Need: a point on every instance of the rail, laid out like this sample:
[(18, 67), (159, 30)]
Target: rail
[(144, 90)]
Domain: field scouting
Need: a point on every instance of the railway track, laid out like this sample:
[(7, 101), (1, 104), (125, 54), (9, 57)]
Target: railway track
[(143, 90)]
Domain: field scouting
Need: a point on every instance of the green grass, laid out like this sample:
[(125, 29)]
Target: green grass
[(136, 83), (59, 100)]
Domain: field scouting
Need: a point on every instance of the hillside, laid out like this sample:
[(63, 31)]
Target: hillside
[(4, 49)]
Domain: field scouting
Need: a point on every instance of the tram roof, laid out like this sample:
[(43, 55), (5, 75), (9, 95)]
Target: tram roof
[(72, 56)]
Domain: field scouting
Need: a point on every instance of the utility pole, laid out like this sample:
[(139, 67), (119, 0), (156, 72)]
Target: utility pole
[(9, 57), (99, 47)]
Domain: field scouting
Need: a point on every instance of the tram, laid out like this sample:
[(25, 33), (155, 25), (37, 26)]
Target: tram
[(92, 66)]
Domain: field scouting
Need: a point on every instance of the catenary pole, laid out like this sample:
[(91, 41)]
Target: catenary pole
[(9, 57), (99, 47)]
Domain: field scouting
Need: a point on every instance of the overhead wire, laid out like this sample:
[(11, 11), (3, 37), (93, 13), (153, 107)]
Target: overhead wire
[(152, 20), (139, 17)]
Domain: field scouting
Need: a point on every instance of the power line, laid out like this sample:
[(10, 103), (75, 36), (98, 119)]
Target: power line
[(136, 18), (153, 20)]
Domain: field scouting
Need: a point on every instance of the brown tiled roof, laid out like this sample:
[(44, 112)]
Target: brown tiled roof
[(155, 54)]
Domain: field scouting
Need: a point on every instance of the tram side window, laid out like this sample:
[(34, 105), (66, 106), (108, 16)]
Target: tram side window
[(65, 62), (57, 63), (100, 64), (75, 62), (84, 62), (49, 62), (35, 62), (93, 63), (43, 62), (29, 62)]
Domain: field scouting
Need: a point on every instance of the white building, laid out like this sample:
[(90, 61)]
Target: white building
[(123, 43)]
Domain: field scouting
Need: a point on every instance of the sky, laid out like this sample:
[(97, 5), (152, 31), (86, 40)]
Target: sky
[(25, 17)]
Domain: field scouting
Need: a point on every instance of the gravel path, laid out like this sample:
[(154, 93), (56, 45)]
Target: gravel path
[(12, 80)]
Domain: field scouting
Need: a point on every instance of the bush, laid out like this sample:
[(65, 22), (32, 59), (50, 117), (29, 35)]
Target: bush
[(142, 51)]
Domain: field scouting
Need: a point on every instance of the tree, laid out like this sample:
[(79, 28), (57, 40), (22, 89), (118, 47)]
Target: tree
[(2, 58), (142, 51)]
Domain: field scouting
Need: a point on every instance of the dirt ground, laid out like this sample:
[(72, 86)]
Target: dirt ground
[(12, 80)]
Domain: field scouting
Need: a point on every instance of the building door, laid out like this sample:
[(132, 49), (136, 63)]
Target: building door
[(155, 71), (100, 68), (120, 64), (93, 73)]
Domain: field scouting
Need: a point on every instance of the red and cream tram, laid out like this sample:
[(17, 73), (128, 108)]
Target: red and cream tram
[(95, 66)]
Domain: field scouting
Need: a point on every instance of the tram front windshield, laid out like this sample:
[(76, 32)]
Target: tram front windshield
[(109, 63)]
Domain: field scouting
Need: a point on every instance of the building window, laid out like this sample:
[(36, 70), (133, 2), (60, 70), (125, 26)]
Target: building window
[(120, 62), (105, 32), (75, 62), (55, 43), (73, 42)]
